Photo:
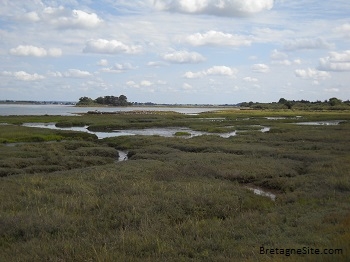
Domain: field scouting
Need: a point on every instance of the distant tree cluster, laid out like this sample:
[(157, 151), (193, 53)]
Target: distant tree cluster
[(105, 100), (330, 104)]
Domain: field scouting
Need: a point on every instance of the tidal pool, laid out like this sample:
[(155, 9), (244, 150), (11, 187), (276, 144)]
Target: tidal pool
[(260, 192), (123, 155), (156, 131)]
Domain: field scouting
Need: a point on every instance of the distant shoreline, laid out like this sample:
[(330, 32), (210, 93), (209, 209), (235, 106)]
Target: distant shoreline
[(67, 103)]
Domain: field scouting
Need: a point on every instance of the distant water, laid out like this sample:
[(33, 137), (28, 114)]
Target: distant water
[(65, 110)]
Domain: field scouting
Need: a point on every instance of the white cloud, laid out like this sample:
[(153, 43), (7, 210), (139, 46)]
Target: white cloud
[(103, 62), (54, 52), (336, 61), (182, 57), (82, 19), (215, 7), (215, 70), (312, 74), (285, 62), (187, 86), (332, 90), (217, 39), (272, 35), (132, 84), (344, 29), (65, 18), (76, 73), (146, 83), (221, 70), (30, 50), (31, 17), (279, 58), (306, 44), (161, 82), (24, 76), (55, 74), (277, 55), (104, 46), (250, 79), (156, 63), (260, 68), (192, 75), (118, 68)]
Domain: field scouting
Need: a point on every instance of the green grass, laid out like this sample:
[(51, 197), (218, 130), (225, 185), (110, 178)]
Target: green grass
[(176, 199), (15, 134), (182, 133)]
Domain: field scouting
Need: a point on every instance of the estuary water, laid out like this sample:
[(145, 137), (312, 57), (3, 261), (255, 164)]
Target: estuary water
[(66, 110), (156, 131)]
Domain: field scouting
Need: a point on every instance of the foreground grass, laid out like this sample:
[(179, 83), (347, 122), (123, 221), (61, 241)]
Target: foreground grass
[(179, 199)]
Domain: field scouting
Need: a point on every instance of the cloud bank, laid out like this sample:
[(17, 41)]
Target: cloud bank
[(217, 38), (183, 57), (215, 7), (104, 46), (215, 70), (336, 61), (30, 50)]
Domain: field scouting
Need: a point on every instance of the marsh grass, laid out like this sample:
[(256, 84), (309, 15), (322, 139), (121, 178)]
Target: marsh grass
[(49, 157), (15, 134), (177, 199)]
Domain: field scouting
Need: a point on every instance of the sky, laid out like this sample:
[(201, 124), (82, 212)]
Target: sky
[(175, 51)]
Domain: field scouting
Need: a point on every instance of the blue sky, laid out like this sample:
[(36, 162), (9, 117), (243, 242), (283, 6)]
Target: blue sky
[(175, 51)]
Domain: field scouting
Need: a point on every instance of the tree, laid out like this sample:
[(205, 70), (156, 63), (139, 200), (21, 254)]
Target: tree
[(100, 100), (123, 100), (288, 104), (334, 101), (85, 100), (282, 101)]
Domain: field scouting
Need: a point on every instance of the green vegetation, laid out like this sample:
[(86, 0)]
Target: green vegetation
[(182, 133), (176, 198), (331, 104), (15, 133)]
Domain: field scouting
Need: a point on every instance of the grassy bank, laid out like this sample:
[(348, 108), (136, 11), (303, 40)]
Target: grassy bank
[(176, 198)]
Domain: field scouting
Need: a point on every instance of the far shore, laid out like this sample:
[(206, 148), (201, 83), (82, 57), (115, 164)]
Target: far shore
[(67, 103)]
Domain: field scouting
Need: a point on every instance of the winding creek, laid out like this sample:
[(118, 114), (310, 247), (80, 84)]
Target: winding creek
[(165, 132)]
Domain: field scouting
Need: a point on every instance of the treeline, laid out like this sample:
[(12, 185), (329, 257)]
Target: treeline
[(122, 100), (330, 104)]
